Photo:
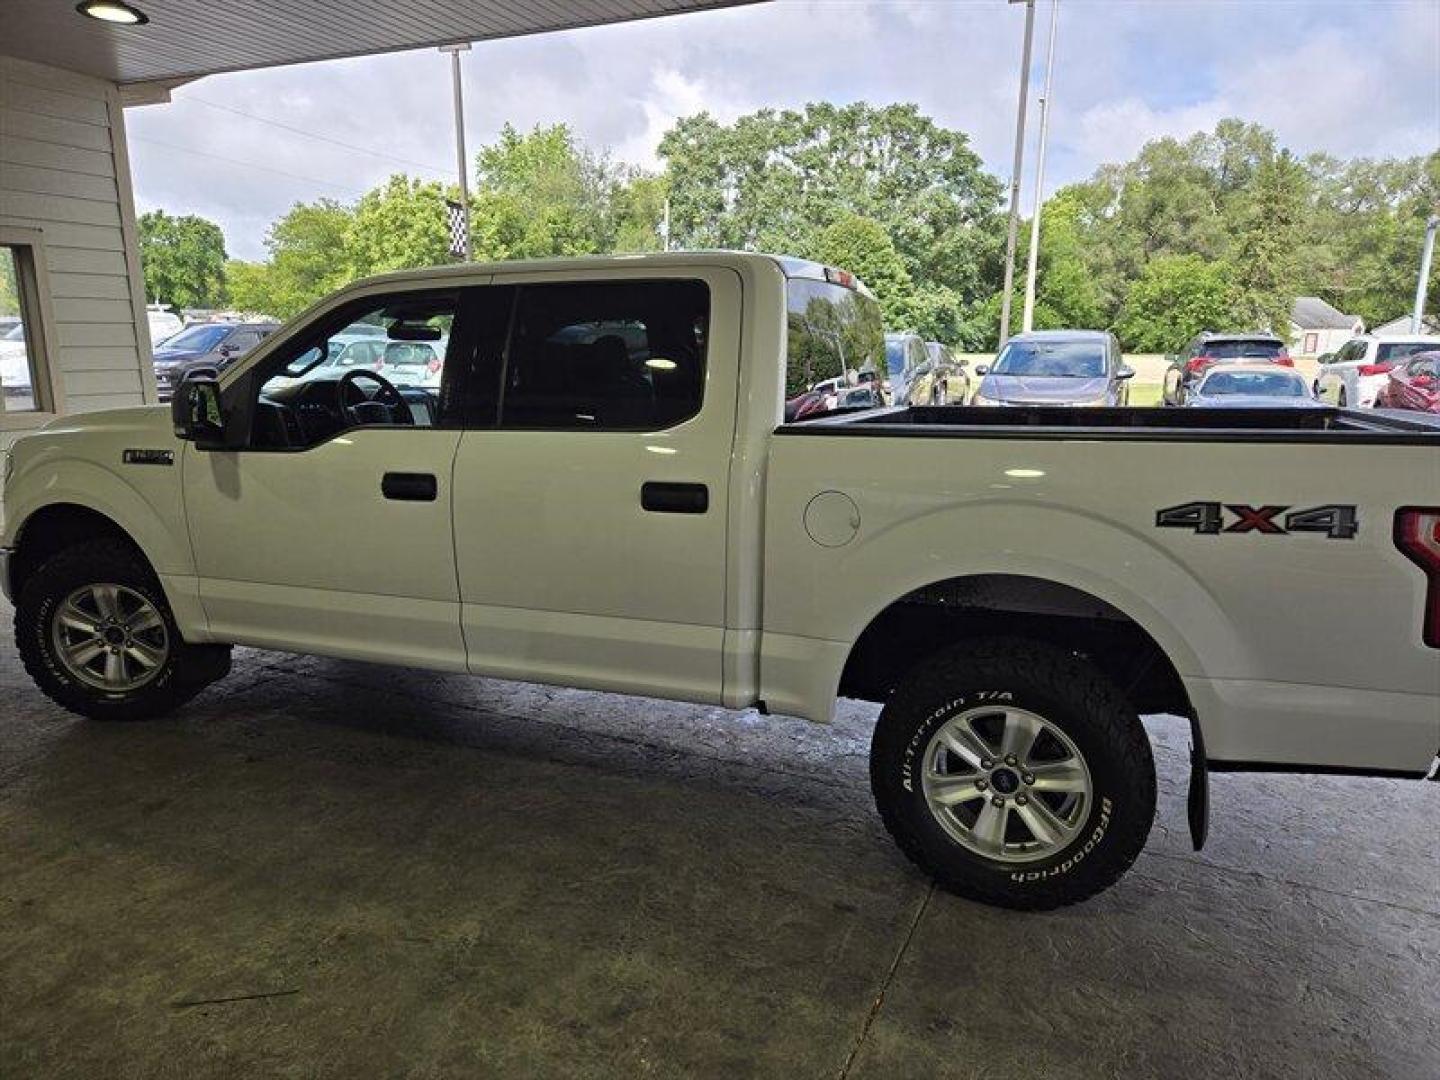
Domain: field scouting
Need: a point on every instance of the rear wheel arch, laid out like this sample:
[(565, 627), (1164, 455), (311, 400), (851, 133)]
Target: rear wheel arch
[(980, 606)]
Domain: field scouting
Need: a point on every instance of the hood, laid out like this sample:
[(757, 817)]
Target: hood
[(1043, 389), (177, 356), (1252, 401)]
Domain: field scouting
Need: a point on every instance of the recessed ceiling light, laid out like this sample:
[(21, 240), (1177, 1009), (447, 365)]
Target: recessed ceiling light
[(113, 11)]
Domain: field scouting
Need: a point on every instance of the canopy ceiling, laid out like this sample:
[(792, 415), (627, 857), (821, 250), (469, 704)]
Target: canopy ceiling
[(185, 39)]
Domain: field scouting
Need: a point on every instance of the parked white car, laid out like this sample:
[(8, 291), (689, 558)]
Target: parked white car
[(414, 363), (163, 323), (1358, 369), (14, 364), (1015, 587)]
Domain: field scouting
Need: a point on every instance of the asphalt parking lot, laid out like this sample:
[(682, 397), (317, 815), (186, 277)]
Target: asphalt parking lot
[(331, 869)]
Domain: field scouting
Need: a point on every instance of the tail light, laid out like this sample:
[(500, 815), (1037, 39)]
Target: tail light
[(1375, 369), (1417, 535), (1284, 359), (434, 365), (1197, 364)]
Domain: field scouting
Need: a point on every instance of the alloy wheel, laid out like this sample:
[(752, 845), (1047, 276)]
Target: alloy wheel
[(110, 637), (1006, 783)]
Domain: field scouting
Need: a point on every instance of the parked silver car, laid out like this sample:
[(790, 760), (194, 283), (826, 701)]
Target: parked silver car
[(1056, 367)]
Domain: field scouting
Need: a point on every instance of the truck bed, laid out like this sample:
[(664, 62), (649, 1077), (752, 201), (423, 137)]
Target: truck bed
[(1328, 425)]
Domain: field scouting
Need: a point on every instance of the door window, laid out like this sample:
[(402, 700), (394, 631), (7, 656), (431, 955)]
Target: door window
[(335, 374), (606, 356)]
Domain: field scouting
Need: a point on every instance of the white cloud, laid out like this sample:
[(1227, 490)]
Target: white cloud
[(1343, 77)]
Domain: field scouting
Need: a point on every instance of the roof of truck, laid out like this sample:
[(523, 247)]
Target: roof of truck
[(790, 266)]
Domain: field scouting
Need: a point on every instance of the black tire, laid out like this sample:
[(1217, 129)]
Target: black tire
[(1070, 693), (185, 671)]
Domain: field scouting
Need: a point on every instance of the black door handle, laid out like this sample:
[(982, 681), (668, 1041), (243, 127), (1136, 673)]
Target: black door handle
[(664, 498), (409, 486)]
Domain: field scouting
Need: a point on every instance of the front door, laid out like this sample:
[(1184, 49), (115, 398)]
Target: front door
[(590, 517), (331, 532)]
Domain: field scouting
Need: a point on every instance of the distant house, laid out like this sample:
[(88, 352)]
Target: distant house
[(1317, 328), (1429, 325)]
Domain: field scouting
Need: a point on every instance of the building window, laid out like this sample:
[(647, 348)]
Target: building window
[(27, 391), (1312, 344)]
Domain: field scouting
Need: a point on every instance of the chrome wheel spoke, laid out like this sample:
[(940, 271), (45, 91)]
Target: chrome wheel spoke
[(1021, 731), (1043, 825), (83, 652), (73, 618), (989, 828), (114, 668), (961, 741), (147, 618), (107, 600), (143, 655), (1068, 776), (953, 790)]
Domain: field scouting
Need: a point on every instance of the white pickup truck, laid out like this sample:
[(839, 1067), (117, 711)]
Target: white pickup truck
[(600, 492)]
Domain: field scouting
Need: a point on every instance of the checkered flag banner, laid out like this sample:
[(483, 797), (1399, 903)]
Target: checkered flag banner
[(456, 215)]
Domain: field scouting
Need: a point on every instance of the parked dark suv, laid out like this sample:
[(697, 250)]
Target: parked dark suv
[(1208, 349), (205, 347)]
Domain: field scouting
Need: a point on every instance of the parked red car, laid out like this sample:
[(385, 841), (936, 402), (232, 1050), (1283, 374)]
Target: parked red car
[(1415, 385)]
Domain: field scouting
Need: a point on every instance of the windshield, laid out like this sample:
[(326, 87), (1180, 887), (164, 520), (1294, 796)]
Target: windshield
[(1395, 351), (1052, 359), (1234, 350), (198, 338), (1252, 383)]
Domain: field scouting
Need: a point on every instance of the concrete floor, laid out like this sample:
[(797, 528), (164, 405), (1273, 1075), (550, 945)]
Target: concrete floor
[(329, 869)]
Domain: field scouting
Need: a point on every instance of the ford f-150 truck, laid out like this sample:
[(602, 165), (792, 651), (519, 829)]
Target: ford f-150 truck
[(600, 491)]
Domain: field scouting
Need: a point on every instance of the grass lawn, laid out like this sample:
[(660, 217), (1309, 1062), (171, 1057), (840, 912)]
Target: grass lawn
[(1144, 394)]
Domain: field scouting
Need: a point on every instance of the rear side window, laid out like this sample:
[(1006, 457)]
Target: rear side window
[(607, 356), (1392, 352), (831, 330)]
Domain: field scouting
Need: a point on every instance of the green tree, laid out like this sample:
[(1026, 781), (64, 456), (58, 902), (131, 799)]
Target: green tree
[(777, 180), (9, 286), (1175, 297), (248, 287), (1266, 269), (183, 259), (401, 224), (543, 194), (861, 245), (308, 256)]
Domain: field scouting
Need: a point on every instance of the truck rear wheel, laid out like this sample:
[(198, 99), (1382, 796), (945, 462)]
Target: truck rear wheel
[(96, 634), (1014, 773)]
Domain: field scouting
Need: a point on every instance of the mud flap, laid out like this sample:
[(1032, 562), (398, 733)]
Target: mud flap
[(1197, 803)]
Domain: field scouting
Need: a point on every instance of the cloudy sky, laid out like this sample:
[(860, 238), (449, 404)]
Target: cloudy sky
[(1353, 77)]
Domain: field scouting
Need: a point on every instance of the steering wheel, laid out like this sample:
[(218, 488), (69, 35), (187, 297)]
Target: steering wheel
[(386, 407)]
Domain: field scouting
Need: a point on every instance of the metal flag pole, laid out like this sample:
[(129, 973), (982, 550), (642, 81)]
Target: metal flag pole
[(1028, 319), (1015, 172), (460, 162)]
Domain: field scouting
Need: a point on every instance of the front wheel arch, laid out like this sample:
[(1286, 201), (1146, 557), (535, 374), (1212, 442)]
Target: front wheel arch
[(57, 526)]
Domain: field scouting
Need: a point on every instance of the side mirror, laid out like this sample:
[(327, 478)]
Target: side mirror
[(982, 369), (197, 415), (1125, 372)]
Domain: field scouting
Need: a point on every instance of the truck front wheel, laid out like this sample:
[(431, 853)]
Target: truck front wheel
[(97, 636), (1014, 773)]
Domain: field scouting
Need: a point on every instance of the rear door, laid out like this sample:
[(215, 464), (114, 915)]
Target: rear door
[(590, 509)]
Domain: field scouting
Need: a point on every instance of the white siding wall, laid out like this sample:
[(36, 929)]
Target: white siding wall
[(64, 171)]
